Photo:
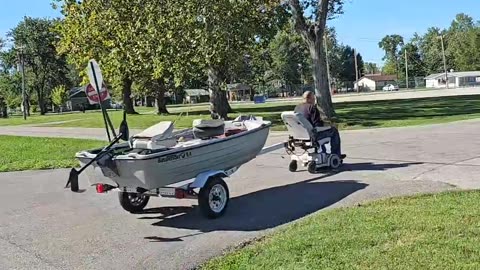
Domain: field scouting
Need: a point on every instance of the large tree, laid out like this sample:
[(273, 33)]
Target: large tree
[(348, 68), (45, 68), (289, 57), (334, 53), (430, 50), (310, 19), (463, 38), (166, 52), (3, 84), (160, 43), (105, 31), (226, 31), (391, 44), (416, 67), (255, 66), (371, 68), (10, 91)]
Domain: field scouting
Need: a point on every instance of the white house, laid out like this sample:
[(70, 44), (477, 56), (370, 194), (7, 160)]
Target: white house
[(455, 79), (196, 96), (374, 82), (238, 91)]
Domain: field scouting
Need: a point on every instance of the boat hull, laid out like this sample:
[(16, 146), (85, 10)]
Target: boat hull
[(163, 169)]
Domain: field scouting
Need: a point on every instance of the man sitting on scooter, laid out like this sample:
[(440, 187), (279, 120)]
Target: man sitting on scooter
[(310, 111)]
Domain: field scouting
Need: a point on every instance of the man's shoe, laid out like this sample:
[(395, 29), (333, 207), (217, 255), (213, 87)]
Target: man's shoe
[(343, 156)]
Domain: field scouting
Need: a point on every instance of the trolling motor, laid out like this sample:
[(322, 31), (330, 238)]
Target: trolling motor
[(123, 134)]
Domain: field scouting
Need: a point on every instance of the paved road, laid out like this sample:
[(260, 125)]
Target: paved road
[(407, 94), (43, 226), (383, 95)]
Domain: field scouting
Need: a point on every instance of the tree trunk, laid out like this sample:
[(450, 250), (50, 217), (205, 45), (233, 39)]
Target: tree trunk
[(27, 105), (219, 106), (160, 96), (149, 102), (320, 78), (312, 33), (41, 102), (127, 99), (3, 106)]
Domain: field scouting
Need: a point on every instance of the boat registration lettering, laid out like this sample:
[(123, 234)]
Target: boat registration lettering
[(174, 157)]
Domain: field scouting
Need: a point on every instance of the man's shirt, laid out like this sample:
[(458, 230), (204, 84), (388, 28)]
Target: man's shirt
[(311, 113)]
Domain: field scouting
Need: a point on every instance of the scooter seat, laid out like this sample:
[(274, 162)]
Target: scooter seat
[(299, 127)]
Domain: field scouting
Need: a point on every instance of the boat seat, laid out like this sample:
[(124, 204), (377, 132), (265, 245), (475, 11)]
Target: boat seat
[(155, 137), (206, 129)]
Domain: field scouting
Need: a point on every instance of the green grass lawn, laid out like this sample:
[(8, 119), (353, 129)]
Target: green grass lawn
[(425, 232), (29, 153), (351, 115)]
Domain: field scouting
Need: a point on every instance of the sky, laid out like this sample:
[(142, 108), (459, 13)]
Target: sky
[(12, 12), (363, 24)]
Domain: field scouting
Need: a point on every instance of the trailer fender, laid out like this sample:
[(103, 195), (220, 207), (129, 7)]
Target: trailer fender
[(202, 178)]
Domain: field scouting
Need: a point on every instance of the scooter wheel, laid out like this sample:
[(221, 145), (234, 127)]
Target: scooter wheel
[(312, 167), (293, 166), (213, 198), (335, 162), (133, 202)]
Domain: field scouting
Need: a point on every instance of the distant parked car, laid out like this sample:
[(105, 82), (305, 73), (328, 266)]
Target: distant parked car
[(115, 105), (390, 87)]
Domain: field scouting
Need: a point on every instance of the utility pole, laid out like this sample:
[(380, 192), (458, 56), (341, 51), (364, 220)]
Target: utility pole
[(406, 67), (328, 65), (444, 62), (356, 69)]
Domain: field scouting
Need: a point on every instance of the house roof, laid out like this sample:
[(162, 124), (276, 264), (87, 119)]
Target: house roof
[(379, 77), (197, 92), (454, 74), (237, 87), (76, 90)]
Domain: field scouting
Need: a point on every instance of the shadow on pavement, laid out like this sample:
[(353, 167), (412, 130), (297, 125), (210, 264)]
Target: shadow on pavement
[(364, 166), (369, 166), (268, 208)]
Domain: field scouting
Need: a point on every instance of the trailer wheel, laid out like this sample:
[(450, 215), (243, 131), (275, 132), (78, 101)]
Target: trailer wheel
[(293, 166), (133, 202), (213, 197)]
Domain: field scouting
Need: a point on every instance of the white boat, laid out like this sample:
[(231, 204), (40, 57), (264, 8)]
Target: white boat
[(158, 157)]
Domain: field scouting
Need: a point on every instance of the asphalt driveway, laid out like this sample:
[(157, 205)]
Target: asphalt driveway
[(43, 226)]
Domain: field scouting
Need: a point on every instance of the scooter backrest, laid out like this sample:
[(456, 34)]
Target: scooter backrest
[(297, 125)]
